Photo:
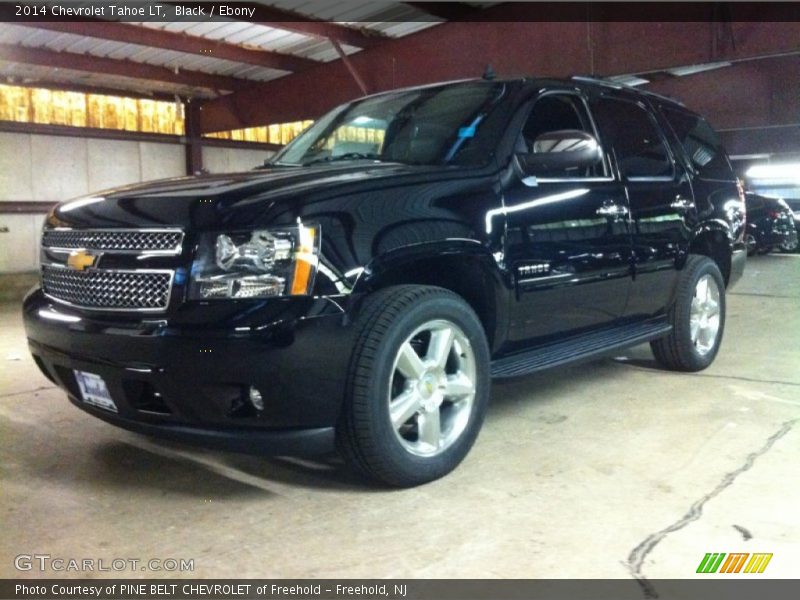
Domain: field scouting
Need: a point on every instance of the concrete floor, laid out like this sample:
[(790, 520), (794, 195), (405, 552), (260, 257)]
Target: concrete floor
[(609, 470)]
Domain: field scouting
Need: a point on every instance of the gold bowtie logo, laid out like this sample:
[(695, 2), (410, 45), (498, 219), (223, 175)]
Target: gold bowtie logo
[(80, 260)]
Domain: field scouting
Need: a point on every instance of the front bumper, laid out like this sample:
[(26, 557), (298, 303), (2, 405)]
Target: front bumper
[(189, 378)]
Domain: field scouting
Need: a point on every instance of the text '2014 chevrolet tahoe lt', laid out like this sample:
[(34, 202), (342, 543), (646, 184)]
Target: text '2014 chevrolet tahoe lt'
[(362, 288)]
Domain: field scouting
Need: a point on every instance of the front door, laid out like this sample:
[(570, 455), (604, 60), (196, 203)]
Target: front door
[(568, 241)]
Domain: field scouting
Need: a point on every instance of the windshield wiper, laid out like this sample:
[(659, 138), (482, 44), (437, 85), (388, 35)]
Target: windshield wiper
[(268, 164), (345, 156)]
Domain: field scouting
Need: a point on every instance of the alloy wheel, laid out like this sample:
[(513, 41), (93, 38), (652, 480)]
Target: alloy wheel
[(704, 317), (432, 388)]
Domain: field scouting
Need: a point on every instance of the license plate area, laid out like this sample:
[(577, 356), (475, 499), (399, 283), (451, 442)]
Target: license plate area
[(94, 390)]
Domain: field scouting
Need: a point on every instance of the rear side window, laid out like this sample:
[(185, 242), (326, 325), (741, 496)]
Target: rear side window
[(701, 144), (635, 137)]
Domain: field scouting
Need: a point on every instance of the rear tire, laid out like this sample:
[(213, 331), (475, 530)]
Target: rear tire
[(697, 317), (418, 385)]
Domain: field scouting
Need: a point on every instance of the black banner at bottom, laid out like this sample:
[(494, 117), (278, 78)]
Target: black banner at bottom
[(731, 588)]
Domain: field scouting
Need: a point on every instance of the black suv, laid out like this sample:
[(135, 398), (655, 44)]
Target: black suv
[(362, 289)]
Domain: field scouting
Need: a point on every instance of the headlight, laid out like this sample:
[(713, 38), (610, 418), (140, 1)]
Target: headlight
[(256, 264)]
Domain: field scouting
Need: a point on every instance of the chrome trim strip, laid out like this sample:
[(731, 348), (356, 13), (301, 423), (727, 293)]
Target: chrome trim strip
[(661, 178), (170, 272), (572, 179), (550, 278), (165, 252), (59, 250)]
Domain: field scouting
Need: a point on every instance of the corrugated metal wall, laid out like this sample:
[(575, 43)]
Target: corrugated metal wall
[(53, 168)]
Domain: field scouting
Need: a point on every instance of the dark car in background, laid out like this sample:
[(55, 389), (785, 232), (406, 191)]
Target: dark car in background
[(794, 205), (771, 225)]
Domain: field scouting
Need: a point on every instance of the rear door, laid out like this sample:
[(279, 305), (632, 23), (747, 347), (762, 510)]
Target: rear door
[(660, 196), (567, 237)]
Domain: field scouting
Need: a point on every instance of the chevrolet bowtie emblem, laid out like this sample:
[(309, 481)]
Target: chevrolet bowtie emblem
[(80, 260)]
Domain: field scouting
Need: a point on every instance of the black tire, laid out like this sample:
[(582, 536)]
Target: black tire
[(365, 434), (789, 247), (678, 351), (751, 243)]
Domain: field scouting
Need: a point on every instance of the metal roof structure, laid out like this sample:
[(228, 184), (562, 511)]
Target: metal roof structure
[(210, 58)]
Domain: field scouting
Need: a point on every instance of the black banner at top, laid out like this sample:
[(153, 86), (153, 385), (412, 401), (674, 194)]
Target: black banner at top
[(136, 10)]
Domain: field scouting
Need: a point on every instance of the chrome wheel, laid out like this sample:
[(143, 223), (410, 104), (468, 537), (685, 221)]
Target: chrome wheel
[(432, 388), (704, 318), (790, 245)]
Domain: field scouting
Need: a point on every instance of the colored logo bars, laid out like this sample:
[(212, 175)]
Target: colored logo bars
[(734, 562)]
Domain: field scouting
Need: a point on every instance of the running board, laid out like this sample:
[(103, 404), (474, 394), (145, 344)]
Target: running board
[(578, 348)]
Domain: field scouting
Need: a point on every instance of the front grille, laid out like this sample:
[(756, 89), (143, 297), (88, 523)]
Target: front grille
[(108, 290), (165, 241)]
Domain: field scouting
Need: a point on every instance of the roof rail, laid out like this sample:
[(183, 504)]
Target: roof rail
[(621, 86)]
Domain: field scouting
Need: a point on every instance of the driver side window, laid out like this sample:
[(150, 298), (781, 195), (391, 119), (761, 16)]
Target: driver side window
[(558, 112)]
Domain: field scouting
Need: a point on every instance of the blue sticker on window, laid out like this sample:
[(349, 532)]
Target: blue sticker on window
[(466, 132)]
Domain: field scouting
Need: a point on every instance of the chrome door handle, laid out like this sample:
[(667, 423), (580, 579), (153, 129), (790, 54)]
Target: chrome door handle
[(613, 210), (682, 204)]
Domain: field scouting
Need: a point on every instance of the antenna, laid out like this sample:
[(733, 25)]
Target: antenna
[(489, 73)]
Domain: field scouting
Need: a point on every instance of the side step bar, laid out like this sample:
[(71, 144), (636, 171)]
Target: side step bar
[(579, 348)]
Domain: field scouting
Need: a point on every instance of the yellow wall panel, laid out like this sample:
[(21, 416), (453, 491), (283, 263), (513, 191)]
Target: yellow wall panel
[(55, 107)]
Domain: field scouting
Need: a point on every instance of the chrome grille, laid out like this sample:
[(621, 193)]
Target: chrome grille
[(162, 241), (110, 289)]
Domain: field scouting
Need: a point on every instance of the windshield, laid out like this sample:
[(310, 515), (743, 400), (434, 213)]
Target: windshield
[(424, 126)]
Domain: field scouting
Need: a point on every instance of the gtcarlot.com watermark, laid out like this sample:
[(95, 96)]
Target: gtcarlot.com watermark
[(58, 564)]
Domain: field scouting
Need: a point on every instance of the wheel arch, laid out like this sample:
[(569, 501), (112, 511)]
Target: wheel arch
[(713, 239), (464, 267)]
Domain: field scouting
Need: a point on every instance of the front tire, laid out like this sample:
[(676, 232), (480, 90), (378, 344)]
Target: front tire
[(751, 244), (697, 317), (418, 385)]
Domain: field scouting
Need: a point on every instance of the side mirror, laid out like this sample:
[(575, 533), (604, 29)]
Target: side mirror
[(561, 150)]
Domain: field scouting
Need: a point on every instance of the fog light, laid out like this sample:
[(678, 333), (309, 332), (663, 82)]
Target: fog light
[(250, 286), (256, 400)]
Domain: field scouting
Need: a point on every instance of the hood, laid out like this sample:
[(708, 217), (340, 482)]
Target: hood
[(207, 202)]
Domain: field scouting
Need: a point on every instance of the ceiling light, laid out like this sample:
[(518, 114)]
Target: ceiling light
[(782, 172)]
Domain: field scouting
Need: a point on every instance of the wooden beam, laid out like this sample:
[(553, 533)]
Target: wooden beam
[(327, 31), (194, 151), (179, 42), (123, 68), (127, 136), (64, 86), (26, 207), (362, 86), (88, 132), (223, 143)]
